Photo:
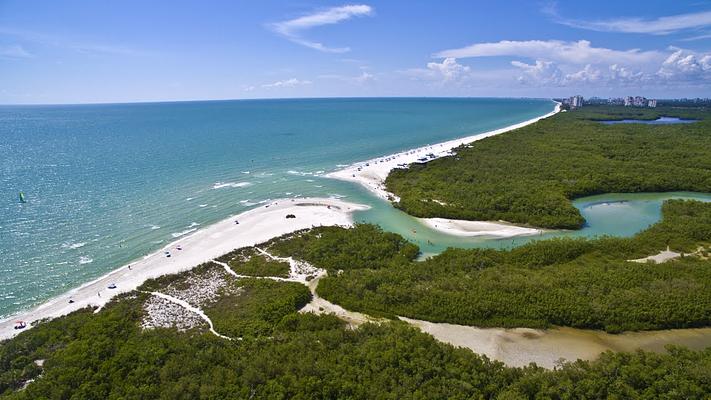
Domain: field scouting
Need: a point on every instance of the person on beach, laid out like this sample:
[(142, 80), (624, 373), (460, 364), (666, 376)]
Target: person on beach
[(129, 267), (98, 294)]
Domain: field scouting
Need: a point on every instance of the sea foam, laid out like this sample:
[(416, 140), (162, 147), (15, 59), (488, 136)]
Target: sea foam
[(183, 233), (73, 245), (220, 185)]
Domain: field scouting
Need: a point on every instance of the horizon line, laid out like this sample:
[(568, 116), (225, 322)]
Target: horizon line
[(268, 99)]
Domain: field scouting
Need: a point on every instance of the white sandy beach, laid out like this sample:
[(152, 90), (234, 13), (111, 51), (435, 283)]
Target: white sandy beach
[(460, 227), (371, 174), (255, 226)]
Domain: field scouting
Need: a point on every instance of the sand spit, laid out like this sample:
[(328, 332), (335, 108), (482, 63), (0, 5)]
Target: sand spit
[(255, 226), (371, 174), (458, 227)]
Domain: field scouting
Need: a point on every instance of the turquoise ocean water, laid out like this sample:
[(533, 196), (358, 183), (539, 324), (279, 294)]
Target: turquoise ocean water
[(106, 184)]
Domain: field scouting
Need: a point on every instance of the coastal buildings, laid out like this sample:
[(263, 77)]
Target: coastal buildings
[(636, 101), (627, 101), (574, 101), (639, 101)]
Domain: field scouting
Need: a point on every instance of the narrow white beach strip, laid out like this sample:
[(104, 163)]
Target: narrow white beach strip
[(371, 174), (255, 226), (457, 227)]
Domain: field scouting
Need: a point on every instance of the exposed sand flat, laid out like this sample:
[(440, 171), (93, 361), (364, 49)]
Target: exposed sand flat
[(371, 174), (522, 346), (319, 305), (662, 257), (255, 226), (458, 227)]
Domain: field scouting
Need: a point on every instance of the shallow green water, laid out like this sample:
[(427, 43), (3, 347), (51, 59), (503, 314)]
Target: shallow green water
[(616, 214)]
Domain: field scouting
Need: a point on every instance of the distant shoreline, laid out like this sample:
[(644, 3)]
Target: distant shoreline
[(372, 173)]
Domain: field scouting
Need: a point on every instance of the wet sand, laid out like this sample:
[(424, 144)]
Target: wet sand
[(521, 346)]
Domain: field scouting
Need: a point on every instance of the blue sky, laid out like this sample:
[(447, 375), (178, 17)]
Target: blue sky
[(122, 51)]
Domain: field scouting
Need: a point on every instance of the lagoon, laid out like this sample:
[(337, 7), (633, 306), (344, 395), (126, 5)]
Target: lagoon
[(615, 214), (658, 121)]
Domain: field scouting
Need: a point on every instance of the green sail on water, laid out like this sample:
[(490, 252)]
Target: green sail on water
[(22, 197)]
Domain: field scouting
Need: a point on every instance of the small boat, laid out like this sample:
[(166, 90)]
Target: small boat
[(112, 286), (20, 325), (22, 197)]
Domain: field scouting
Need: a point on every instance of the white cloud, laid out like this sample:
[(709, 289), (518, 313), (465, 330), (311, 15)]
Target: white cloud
[(548, 73), (580, 52), (448, 69), (686, 65), (363, 78), (698, 37), (655, 26), (577, 64), (292, 29), (14, 51), (449, 72), (540, 73), (619, 73), (287, 83), (587, 75)]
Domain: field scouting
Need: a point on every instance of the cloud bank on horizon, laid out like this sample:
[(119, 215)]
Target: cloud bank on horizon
[(137, 52), (560, 63)]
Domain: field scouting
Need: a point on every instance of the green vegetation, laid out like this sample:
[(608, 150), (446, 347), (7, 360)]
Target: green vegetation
[(334, 248), (529, 176), (108, 356), (250, 262), (566, 282), (239, 308), (256, 307), (285, 355)]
